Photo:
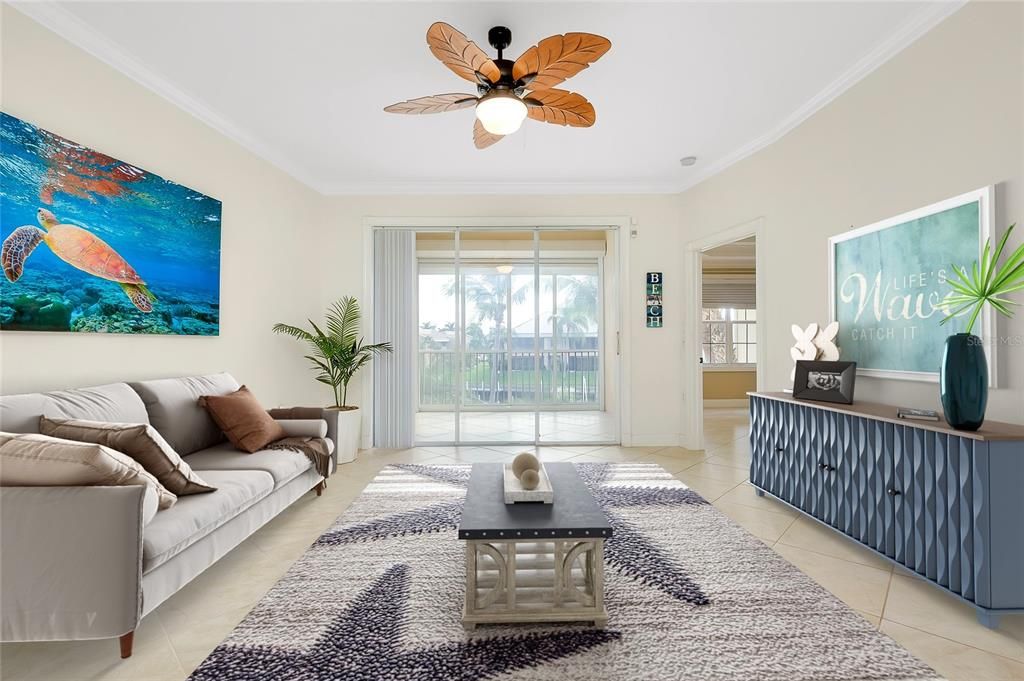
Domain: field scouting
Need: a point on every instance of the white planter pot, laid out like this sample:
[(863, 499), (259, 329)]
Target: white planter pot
[(344, 428)]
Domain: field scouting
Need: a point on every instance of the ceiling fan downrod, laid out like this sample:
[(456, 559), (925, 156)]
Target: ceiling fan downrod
[(500, 37)]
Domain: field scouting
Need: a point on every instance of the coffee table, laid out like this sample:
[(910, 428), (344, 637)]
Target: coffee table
[(533, 562)]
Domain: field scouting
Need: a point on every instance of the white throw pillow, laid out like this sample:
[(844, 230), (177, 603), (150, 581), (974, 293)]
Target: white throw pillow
[(31, 460)]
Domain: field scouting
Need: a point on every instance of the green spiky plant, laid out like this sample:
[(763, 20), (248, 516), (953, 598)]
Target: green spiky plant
[(338, 353), (987, 282)]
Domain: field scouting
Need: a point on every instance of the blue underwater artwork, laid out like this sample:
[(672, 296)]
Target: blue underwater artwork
[(94, 244)]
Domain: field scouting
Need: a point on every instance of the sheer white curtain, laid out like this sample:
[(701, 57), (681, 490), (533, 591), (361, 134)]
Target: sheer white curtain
[(394, 319)]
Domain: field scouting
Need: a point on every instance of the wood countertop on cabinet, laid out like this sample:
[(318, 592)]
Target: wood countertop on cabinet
[(989, 431)]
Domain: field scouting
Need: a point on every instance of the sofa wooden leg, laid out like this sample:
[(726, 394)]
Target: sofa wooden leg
[(126, 644), (319, 488)]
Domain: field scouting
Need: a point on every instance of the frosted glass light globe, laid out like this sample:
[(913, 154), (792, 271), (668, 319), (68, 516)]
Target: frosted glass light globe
[(501, 113)]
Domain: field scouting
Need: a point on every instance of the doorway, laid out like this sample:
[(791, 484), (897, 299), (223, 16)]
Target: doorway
[(728, 333), (516, 336), (724, 334)]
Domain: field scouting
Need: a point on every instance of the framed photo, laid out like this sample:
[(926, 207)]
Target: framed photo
[(888, 286), (825, 381)]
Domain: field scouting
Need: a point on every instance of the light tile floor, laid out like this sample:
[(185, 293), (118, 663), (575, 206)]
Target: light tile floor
[(176, 637), (516, 426)]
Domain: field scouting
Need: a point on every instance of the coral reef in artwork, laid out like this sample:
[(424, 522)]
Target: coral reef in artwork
[(94, 244)]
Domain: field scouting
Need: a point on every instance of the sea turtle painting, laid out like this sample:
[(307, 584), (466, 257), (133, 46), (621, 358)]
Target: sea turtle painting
[(90, 243), (77, 247)]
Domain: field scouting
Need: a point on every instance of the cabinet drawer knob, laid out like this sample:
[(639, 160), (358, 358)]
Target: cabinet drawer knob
[(892, 492)]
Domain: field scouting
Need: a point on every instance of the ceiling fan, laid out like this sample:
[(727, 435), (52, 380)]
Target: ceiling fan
[(509, 92)]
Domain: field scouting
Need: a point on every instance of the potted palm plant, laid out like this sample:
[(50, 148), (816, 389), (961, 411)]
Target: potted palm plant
[(963, 378), (338, 353)]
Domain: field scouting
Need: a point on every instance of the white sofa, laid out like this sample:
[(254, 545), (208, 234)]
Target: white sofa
[(82, 562)]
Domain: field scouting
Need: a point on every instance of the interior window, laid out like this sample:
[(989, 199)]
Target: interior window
[(729, 336)]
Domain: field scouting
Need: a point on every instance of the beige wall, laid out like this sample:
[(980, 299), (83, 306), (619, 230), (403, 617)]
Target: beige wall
[(943, 117), (728, 385), (270, 224)]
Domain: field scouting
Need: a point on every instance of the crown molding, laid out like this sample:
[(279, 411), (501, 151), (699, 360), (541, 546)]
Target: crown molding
[(65, 24), (498, 188), (917, 26)]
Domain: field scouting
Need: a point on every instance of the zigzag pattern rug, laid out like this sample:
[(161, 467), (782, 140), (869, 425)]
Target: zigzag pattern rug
[(690, 595)]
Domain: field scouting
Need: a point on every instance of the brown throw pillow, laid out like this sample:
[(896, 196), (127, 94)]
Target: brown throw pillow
[(140, 441), (30, 460), (248, 426)]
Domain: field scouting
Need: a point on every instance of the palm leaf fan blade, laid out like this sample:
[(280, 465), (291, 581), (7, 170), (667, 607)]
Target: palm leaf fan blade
[(460, 54), (557, 58), (561, 108), (433, 104), (483, 139)]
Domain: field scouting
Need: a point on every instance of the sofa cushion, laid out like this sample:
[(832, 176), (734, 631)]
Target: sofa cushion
[(243, 419), (34, 460), (283, 464), (173, 406), (115, 402), (196, 516), (20, 413), (140, 441)]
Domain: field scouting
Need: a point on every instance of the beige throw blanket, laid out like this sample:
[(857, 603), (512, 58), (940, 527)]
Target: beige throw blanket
[(314, 448)]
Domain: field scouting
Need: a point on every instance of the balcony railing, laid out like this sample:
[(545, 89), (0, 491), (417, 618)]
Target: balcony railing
[(498, 378)]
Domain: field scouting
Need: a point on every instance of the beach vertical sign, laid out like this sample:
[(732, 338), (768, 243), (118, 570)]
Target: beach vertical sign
[(889, 285), (655, 311)]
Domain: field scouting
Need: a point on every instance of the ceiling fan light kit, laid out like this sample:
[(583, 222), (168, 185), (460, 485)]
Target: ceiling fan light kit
[(510, 92), (501, 112)]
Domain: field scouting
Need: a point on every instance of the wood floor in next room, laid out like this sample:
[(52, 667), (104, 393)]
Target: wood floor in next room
[(175, 638)]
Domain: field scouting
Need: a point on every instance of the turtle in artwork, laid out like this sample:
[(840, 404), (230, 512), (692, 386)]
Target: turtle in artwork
[(77, 247)]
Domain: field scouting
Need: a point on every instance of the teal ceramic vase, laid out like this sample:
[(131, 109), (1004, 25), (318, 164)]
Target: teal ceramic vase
[(963, 381)]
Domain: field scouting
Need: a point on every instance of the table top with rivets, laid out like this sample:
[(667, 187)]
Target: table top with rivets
[(573, 514)]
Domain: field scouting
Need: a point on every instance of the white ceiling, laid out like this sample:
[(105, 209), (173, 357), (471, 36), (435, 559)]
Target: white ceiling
[(303, 84)]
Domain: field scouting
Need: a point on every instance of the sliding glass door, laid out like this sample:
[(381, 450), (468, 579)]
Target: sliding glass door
[(511, 339)]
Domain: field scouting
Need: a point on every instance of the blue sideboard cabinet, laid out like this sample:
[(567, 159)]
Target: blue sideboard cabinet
[(945, 503)]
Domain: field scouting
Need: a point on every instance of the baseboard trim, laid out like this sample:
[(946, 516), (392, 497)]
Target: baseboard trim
[(655, 440), (725, 404)]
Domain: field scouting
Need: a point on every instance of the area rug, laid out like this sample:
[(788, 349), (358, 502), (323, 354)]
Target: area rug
[(690, 595)]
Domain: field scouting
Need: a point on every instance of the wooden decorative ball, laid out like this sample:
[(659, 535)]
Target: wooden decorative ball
[(524, 462), (529, 479)]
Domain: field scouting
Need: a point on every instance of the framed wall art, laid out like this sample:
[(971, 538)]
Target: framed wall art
[(655, 307), (94, 244), (887, 285)]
